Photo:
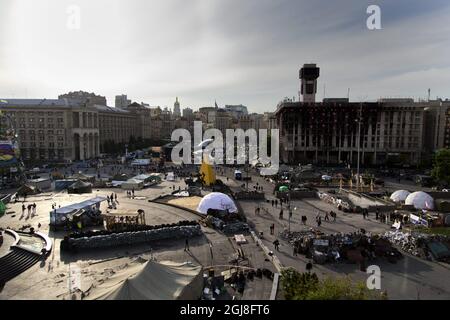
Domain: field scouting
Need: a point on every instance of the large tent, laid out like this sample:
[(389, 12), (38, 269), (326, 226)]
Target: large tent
[(420, 200), (82, 177), (132, 184), (27, 190), (400, 195), (163, 280), (80, 187), (218, 201)]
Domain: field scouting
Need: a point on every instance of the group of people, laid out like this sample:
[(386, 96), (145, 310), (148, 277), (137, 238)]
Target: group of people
[(31, 209), (130, 194), (112, 200)]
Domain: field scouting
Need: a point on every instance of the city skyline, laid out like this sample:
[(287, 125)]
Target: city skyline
[(207, 51)]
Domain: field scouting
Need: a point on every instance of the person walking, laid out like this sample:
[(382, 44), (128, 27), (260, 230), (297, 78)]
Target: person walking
[(304, 220), (333, 214), (377, 214), (281, 214), (327, 216), (186, 245), (319, 221), (272, 228), (276, 244), (34, 208), (23, 209)]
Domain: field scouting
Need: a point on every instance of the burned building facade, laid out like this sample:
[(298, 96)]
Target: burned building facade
[(336, 131)]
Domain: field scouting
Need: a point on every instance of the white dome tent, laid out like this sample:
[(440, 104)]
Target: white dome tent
[(400, 195), (218, 201), (420, 200)]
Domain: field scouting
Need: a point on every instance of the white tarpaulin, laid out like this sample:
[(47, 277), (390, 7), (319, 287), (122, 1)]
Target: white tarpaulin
[(132, 184), (218, 201), (400, 195), (162, 280), (420, 200)]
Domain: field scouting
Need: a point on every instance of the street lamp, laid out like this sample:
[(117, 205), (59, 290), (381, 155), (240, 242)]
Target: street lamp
[(359, 146), (359, 140)]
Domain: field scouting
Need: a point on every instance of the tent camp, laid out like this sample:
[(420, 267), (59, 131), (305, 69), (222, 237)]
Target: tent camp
[(218, 201), (27, 190), (420, 200), (82, 177), (80, 187), (121, 177), (132, 184), (399, 195), (170, 176), (163, 280)]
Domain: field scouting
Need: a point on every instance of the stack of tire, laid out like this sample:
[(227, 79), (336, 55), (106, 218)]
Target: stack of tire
[(130, 238)]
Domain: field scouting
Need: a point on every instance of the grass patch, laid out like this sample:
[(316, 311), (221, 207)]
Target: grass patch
[(445, 231)]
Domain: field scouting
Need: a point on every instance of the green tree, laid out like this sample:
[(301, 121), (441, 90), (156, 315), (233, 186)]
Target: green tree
[(441, 166), (307, 286)]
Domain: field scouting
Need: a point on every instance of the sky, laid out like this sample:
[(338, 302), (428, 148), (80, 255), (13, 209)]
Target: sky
[(233, 51)]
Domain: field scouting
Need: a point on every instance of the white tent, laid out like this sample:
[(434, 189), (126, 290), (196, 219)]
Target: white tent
[(132, 184), (400, 195), (218, 201), (163, 280), (420, 200), (170, 176)]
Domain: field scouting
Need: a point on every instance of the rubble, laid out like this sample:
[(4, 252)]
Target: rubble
[(353, 247), (422, 245)]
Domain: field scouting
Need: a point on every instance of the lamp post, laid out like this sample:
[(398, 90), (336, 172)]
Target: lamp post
[(359, 147), (359, 143)]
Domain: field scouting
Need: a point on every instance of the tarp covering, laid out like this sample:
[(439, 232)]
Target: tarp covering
[(132, 184), (399, 195), (420, 200), (121, 177), (143, 177), (218, 201), (163, 280), (81, 176), (79, 205), (80, 187), (26, 190)]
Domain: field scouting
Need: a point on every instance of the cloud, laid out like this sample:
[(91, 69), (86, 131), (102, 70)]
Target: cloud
[(235, 51)]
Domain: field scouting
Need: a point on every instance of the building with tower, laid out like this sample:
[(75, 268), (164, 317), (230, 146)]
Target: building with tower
[(337, 131), (176, 109), (308, 84)]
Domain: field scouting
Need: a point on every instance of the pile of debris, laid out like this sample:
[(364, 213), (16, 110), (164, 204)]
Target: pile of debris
[(227, 222), (105, 239), (340, 203), (422, 245), (358, 247)]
